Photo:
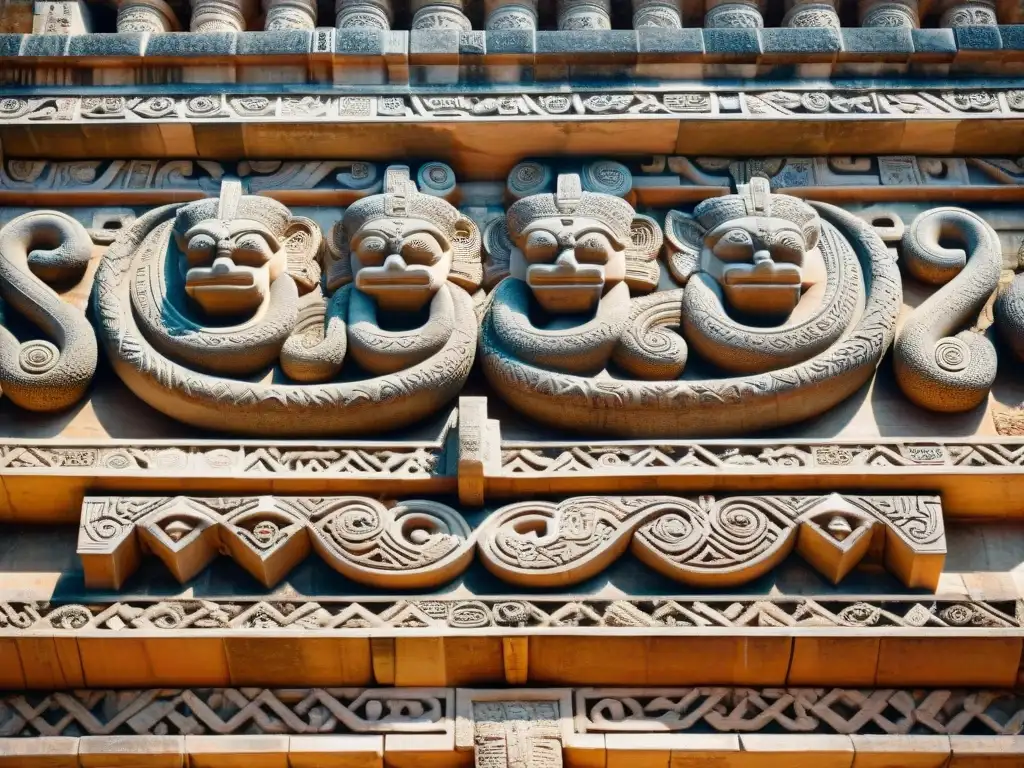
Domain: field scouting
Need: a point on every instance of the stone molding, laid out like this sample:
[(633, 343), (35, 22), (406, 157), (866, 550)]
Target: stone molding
[(454, 716), (939, 617), (701, 541)]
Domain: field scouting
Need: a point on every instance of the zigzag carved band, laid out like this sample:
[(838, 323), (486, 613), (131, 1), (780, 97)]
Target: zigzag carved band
[(701, 540)]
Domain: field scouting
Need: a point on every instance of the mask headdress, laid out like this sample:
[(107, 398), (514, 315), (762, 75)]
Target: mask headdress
[(400, 199), (756, 199), (639, 235), (297, 236)]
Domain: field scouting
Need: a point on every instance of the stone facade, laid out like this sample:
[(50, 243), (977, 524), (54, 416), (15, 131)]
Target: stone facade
[(511, 383)]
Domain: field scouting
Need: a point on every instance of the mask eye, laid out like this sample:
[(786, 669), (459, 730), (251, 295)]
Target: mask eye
[(251, 250), (200, 249), (541, 246), (593, 248), (787, 246), (421, 248), (371, 251), (734, 245)]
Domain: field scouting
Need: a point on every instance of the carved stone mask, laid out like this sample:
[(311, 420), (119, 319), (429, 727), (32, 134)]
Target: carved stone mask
[(403, 244), (755, 245), (570, 247), (232, 249)]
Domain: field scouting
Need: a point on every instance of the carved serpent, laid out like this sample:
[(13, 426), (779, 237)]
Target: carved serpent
[(716, 406), (935, 369), (740, 348), (42, 375), (214, 402), (583, 349), (1009, 312)]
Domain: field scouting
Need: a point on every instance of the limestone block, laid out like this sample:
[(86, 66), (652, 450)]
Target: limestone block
[(900, 751), (299, 661), (847, 660), (131, 752), (797, 751), (348, 751), (986, 751), (949, 661), (47, 752), (237, 751), (638, 750)]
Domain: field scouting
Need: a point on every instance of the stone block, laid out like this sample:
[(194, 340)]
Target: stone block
[(45, 46), (237, 751), (192, 45), (473, 43), (16, 16), (797, 750), (977, 38), (131, 752), (1011, 37), (810, 42), (725, 44), (937, 43), (697, 750), (839, 661), (108, 45), (347, 751), (282, 42), (318, 661), (434, 45), (888, 43), (652, 41), (948, 661), (10, 45), (596, 46), (638, 750), (899, 751), (511, 42), (416, 750), (48, 752), (986, 751), (61, 17), (360, 42)]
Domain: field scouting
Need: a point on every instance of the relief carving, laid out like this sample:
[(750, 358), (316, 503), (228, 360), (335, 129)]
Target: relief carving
[(216, 312), (38, 250), (700, 541), (936, 369), (798, 301)]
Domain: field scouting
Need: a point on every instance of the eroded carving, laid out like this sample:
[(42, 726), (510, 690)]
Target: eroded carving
[(38, 250), (800, 301), (936, 369), (209, 309)]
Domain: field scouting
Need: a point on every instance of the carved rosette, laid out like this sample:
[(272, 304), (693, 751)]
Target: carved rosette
[(439, 14), (977, 13), (889, 13), (289, 14), (279, 372), (584, 14), (657, 13), (217, 16), (153, 16), (812, 14), (366, 14), (511, 14), (614, 364), (734, 15)]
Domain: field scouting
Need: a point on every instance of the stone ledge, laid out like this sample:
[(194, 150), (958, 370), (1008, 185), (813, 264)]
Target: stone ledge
[(482, 56)]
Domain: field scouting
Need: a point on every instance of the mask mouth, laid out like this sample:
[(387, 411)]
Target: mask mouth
[(222, 291), (583, 276), (764, 273), (228, 281)]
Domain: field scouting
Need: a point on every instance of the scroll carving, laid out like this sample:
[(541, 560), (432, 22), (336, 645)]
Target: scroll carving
[(821, 284), (701, 541), (416, 544), (37, 250), (936, 369), (712, 542), (216, 313)]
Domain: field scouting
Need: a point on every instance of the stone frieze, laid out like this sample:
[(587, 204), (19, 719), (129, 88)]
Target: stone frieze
[(700, 541)]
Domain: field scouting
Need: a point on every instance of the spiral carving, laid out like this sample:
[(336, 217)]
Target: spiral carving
[(315, 350), (937, 367), (649, 348), (50, 374)]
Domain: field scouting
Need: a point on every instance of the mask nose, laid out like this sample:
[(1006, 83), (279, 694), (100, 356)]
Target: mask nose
[(762, 257), (567, 259), (223, 249), (394, 263), (223, 264)]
